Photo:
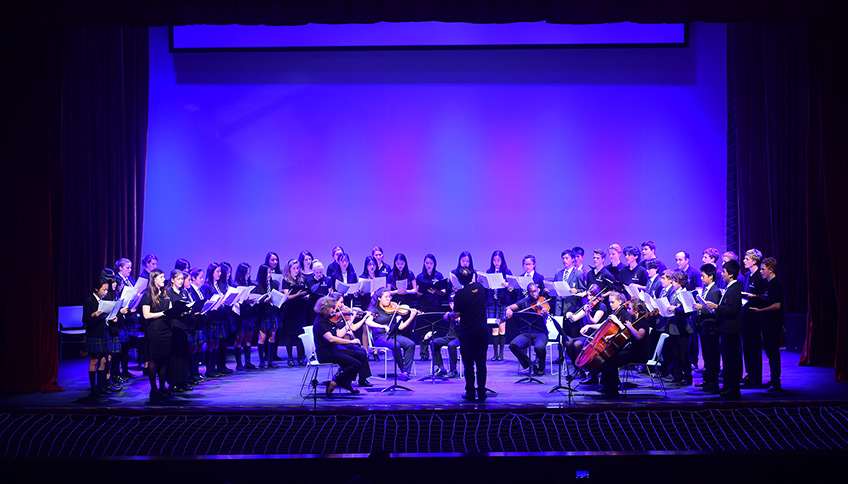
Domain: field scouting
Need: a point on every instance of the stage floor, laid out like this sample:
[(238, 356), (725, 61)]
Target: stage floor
[(280, 389)]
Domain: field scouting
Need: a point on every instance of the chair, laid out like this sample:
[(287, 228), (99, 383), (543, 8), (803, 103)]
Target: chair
[(70, 324), (387, 352), (656, 359), (312, 364), (446, 356), (553, 340)]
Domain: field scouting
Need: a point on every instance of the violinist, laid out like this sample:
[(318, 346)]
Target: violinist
[(588, 318), (350, 323), (385, 311), (534, 335), (638, 351), (328, 345)]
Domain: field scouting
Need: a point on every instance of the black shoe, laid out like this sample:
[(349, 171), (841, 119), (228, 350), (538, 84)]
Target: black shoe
[(330, 387), (711, 389), (425, 357), (128, 376), (95, 393), (239, 367), (226, 371), (263, 365), (301, 362), (481, 396), (609, 392), (404, 376), (292, 363), (495, 358), (557, 361), (730, 395), (469, 397), (350, 388), (374, 356), (271, 364), (453, 374), (439, 371), (155, 396), (366, 384), (250, 366), (538, 372)]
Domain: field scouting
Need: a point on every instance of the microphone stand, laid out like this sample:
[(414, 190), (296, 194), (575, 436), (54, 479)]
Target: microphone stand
[(394, 328)]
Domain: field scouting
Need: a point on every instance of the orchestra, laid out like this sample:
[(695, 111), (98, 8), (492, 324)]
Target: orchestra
[(188, 321)]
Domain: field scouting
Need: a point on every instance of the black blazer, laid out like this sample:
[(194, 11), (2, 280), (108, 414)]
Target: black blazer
[(94, 327), (729, 311), (708, 320), (575, 280)]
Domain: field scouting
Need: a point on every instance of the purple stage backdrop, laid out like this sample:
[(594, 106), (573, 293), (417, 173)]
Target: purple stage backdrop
[(527, 151)]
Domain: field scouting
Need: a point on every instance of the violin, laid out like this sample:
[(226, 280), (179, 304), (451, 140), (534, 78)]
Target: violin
[(344, 313), (540, 306), (395, 308)]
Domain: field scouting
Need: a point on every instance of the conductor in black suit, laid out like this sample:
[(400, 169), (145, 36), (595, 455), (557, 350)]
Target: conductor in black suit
[(469, 305), (728, 313)]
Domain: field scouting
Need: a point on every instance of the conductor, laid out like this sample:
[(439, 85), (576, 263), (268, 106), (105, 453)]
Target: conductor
[(469, 306)]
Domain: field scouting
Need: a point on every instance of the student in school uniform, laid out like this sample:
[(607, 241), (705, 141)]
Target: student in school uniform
[(245, 321), (305, 260), (649, 252), (294, 311), (771, 311), (497, 300), (382, 268), (97, 341), (728, 314), (754, 286), (402, 281), (333, 267), (429, 298), (178, 361), (149, 263), (384, 312), (709, 330), (272, 260), (680, 327), (599, 274), (633, 272), (227, 321), (117, 331), (154, 303), (345, 275), (214, 326), (197, 332), (615, 265), (363, 300), (123, 273), (266, 316)]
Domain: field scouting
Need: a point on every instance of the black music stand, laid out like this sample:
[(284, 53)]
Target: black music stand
[(434, 322), (394, 330), (531, 320)]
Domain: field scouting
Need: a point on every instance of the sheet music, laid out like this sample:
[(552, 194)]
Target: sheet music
[(559, 288), (210, 303), (402, 284), (255, 298), (347, 289), (109, 309), (455, 282), (127, 295), (278, 298), (703, 303), (231, 296), (687, 301), (372, 285), (140, 286), (662, 305), (632, 290), (278, 278), (649, 300), (491, 281), (236, 308), (244, 292)]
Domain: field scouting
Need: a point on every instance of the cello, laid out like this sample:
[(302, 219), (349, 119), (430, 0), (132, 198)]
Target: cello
[(611, 337)]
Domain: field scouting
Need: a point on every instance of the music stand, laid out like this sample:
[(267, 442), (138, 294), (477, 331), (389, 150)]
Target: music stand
[(531, 320), (394, 330), (434, 322)]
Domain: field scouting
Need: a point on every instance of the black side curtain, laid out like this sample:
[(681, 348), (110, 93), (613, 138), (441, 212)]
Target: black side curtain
[(786, 106), (103, 152)]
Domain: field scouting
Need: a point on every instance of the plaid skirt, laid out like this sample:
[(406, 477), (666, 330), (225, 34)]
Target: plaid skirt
[(267, 323), (196, 337), (214, 329), (101, 346), (244, 325), (496, 311), (123, 336)]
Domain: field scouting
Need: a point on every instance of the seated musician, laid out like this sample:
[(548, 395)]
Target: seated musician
[(349, 325), (591, 315), (535, 336), (637, 351), (328, 345), (384, 311), (451, 340)]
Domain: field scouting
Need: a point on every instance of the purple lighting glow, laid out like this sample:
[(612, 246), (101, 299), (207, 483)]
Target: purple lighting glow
[(528, 151)]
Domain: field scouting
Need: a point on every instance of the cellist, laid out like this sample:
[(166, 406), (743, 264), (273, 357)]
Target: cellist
[(591, 315), (535, 336), (636, 352)]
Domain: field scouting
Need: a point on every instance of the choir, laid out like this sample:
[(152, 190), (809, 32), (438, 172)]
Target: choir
[(727, 313)]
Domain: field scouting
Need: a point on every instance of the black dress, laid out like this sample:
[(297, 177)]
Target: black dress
[(294, 310), (158, 330)]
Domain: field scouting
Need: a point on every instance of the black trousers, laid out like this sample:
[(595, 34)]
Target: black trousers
[(678, 346), (609, 372), (473, 350), (403, 352), (350, 366), (752, 345), (519, 345), (731, 356), (771, 343), (710, 344), (451, 343), (359, 353)]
